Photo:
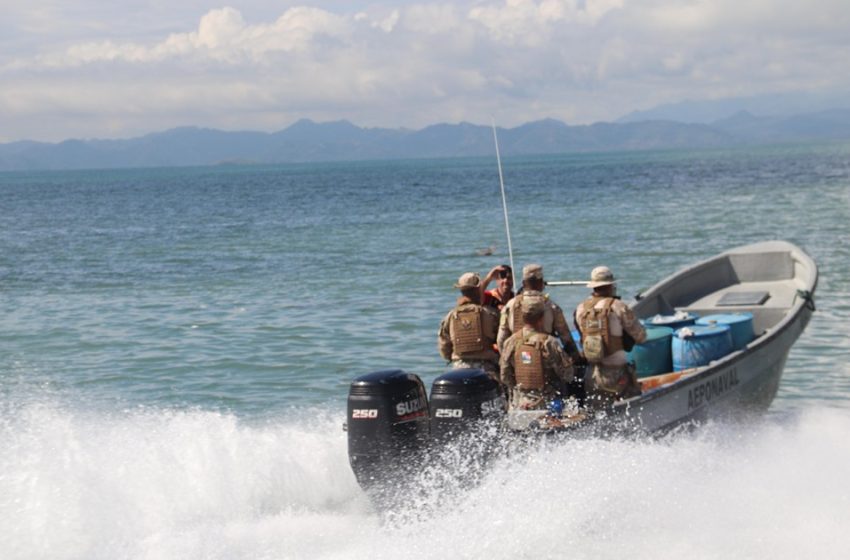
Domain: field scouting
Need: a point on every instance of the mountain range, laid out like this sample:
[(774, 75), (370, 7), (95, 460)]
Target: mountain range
[(308, 141), (707, 111)]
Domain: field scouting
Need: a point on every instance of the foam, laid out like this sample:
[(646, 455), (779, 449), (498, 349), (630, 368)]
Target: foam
[(152, 483)]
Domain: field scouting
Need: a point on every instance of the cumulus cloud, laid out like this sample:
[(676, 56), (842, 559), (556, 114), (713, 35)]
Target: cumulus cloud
[(532, 22), (222, 34), (409, 64), (387, 24)]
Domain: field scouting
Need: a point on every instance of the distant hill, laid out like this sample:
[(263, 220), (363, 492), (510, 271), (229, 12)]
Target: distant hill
[(307, 141), (707, 111), (826, 125)]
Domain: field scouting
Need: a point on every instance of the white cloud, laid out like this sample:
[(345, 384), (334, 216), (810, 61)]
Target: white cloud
[(222, 34), (433, 19), (388, 23), (219, 28), (530, 22), (404, 64)]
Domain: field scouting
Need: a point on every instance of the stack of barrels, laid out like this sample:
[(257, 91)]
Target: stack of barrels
[(685, 340)]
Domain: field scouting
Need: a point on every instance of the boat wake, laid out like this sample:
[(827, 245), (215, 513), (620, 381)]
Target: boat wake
[(153, 483)]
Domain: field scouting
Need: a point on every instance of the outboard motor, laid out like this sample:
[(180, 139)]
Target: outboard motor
[(462, 399), (388, 425)]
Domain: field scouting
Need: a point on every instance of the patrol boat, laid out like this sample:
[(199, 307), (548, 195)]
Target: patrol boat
[(392, 427)]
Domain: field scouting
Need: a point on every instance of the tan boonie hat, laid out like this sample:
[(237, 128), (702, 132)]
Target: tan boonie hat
[(531, 306), (601, 276), (468, 280), (532, 271)]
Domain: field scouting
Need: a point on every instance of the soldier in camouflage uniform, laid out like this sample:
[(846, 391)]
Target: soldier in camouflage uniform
[(467, 334), (554, 322), (608, 329), (535, 369)]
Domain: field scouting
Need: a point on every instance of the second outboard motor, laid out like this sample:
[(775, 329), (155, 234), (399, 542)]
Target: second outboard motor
[(388, 425), (462, 399)]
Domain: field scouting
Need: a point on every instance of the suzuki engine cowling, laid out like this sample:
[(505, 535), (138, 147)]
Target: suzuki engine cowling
[(388, 424), (462, 399)]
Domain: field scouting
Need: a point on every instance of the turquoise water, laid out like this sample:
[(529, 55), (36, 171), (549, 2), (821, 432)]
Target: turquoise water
[(177, 344)]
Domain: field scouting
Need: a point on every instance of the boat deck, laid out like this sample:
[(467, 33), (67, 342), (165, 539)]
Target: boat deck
[(762, 279), (781, 294)]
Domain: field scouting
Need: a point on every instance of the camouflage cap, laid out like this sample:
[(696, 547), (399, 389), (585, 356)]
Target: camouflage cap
[(601, 276), (468, 280), (532, 271), (532, 307)]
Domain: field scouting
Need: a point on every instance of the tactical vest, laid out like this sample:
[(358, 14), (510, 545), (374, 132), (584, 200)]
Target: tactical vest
[(467, 336), (596, 340), (528, 365)]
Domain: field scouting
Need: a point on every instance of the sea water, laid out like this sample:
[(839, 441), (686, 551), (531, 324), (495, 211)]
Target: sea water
[(176, 348)]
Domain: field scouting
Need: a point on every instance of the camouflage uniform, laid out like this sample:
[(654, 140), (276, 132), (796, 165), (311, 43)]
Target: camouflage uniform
[(553, 321), (484, 356), (555, 366), (614, 377)]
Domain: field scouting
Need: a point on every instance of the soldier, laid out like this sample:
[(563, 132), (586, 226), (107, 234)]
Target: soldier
[(467, 334), (554, 322), (608, 328), (535, 369)]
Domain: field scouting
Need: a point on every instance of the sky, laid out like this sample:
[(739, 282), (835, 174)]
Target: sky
[(106, 69)]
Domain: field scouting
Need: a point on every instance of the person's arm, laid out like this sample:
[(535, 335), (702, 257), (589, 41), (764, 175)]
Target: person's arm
[(631, 324), (559, 361), (494, 272), (506, 366), (505, 324), (563, 330)]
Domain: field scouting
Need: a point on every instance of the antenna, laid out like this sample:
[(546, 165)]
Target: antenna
[(504, 203)]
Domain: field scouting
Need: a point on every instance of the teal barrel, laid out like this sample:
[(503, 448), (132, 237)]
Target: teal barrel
[(704, 344), (741, 325), (676, 321), (576, 338), (653, 356)]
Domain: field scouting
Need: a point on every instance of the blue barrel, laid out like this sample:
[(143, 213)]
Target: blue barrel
[(653, 356), (673, 321), (705, 344), (741, 325), (576, 338)]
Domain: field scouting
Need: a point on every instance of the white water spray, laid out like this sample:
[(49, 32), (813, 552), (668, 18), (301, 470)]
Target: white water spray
[(159, 484)]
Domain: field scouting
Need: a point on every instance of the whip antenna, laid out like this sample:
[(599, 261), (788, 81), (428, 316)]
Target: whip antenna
[(504, 203)]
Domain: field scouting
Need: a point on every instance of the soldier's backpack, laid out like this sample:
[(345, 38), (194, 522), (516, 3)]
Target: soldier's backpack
[(467, 337), (595, 338), (528, 365)]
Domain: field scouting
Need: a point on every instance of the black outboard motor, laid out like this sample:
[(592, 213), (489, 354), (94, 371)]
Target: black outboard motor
[(388, 425), (462, 399)]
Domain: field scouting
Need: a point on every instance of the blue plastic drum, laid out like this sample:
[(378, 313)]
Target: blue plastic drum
[(741, 325), (673, 321), (706, 343), (576, 338), (653, 356)]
